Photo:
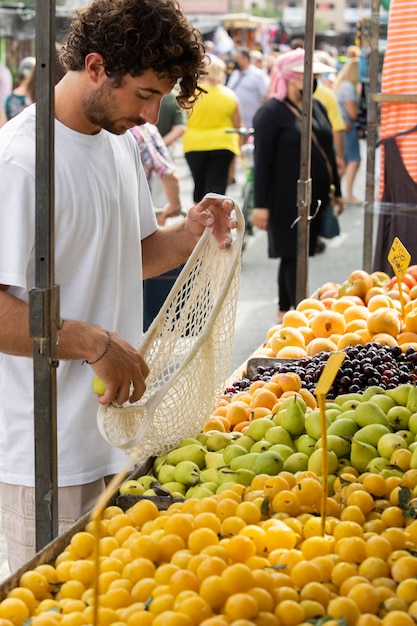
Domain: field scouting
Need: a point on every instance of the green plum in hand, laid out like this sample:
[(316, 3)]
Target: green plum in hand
[(98, 386)]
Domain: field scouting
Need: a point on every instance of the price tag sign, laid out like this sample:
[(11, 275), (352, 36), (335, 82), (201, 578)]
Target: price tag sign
[(326, 379), (399, 258)]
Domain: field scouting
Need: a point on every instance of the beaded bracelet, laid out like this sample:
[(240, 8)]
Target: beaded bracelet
[(106, 349)]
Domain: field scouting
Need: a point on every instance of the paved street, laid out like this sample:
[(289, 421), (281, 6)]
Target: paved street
[(257, 303)]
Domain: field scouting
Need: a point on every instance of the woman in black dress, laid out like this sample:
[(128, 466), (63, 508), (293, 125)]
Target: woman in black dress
[(277, 127)]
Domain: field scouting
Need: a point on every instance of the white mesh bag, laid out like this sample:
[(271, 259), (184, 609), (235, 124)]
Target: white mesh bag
[(188, 349)]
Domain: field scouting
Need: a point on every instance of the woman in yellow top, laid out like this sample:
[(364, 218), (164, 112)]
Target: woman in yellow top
[(208, 148)]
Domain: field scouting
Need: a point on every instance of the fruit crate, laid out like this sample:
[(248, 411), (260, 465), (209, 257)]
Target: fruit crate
[(50, 552)]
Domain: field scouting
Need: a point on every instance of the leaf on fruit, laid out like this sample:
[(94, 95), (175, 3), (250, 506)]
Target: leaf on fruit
[(266, 507)]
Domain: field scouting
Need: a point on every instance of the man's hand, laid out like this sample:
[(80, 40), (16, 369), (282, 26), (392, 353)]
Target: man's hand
[(123, 371), (213, 210)]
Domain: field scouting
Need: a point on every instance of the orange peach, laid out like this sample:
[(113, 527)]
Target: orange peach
[(327, 323), (294, 318), (406, 337), (320, 344), (356, 312), (310, 303), (350, 339), (378, 301), (291, 352), (384, 339), (286, 336), (411, 321), (384, 320), (355, 325)]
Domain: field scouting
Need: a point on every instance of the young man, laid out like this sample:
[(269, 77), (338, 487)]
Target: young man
[(121, 57)]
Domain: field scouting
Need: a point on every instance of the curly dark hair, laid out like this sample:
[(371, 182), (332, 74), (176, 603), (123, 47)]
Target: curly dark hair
[(134, 36)]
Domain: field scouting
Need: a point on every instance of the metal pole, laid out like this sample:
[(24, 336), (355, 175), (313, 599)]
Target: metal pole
[(304, 183), (44, 299), (372, 124)]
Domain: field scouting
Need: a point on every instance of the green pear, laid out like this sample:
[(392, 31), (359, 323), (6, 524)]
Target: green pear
[(258, 427), (158, 462), (390, 442), (360, 454), (188, 441), (313, 424), (412, 423), (399, 417), (377, 464), (244, 476), (297, 462), (332, 414), (232, 451), (261, 446), (166, 473), (407, 435), (371, 433), (306, 444), (383, 401), (226, 475), (214, 459), (132, 488), (399, 394), (278, 417), (332, 405), (209, 475), (369, 413), (349, 415), (342, 426), (225, 485), (339, 445), (212, 486), (349, 405), (413, 461), (202, 438), (217, 441), (344, 397), (246, 442), (198, 491), (288, 401), (175, 488), (412, 446), (278, 434), (146, 480), (194, 452), (150, 492), (315, 461), (412, 399), (371, 391), (283, 450), (187, 472), (391, 471), (269, 462), (294, 419), (246, 461)]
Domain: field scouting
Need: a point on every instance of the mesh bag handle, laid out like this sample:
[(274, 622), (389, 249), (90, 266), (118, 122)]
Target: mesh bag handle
[(188, 349)]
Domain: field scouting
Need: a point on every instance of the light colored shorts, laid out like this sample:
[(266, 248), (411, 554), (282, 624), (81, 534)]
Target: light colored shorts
[(18, 515)]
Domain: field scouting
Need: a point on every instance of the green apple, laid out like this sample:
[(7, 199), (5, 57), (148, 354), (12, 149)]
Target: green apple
[(132, 488), (98, 386)]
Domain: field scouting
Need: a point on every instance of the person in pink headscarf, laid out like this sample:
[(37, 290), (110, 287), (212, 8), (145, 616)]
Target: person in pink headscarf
[(277, 127)]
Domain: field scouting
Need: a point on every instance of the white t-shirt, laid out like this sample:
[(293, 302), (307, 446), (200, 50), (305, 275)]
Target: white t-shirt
[(102, 212)]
